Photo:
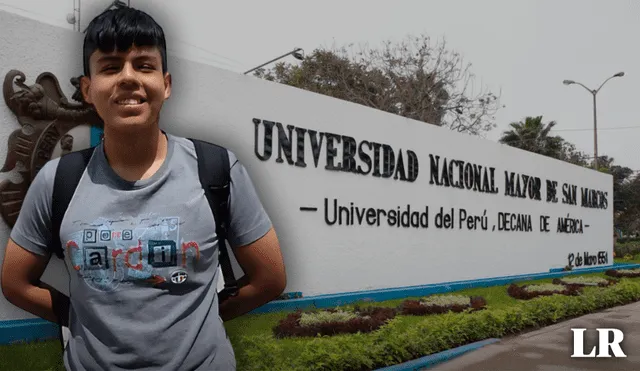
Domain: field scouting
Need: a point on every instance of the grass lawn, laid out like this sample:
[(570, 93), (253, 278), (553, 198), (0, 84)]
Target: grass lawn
[(38, 356), (250, 332)]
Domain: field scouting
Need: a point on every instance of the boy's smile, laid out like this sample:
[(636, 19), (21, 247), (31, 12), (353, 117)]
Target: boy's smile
[(127, 88), (131, 104)]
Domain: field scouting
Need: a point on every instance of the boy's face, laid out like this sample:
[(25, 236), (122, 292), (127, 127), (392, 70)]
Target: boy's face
[(128, 88)]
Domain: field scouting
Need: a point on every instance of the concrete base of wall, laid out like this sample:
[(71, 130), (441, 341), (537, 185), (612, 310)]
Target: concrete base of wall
[(27, 330)]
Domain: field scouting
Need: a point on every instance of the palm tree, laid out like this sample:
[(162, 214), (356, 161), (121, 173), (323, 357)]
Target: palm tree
[(533, 135)]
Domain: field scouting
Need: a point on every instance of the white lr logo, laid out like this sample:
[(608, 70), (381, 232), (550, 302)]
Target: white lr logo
[(603, 343)]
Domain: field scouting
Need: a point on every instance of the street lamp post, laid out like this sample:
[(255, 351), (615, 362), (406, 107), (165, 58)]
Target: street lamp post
[(298, 53), (594, 92)]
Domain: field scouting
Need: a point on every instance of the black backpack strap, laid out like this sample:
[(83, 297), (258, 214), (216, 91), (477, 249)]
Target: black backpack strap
[(69, 171), (214, 173), (70, 168)]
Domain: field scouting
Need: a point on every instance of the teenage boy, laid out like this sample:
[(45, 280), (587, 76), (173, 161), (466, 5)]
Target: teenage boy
[(138, 235)]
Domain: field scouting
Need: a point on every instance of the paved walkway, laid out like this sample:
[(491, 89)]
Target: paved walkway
[(550, 348)]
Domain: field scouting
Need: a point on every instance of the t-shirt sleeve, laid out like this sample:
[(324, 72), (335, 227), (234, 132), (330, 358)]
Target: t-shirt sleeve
[(32, 229), (248, 220)]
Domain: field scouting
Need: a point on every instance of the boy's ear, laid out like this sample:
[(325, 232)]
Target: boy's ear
[(167, 85), (85, 84)]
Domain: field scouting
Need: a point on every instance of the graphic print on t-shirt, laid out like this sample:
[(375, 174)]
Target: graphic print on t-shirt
[(109, 253)]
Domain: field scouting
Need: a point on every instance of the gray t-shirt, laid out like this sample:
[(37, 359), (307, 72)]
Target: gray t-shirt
[(143, 259)]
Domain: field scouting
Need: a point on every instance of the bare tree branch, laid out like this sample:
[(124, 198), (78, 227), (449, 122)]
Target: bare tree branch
[(414, 78)]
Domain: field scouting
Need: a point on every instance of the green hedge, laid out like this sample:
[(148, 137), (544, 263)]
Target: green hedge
[(396, 342), (627, 248), (628, 239)]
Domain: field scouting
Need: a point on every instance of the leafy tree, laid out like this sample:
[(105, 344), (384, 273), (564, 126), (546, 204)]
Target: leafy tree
[(412, 78), (621, 174), (572, 155), (626, 193), (627, 204), (533, 135)]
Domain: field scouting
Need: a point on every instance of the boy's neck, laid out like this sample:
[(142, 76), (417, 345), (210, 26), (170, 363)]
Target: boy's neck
[(135, 155)]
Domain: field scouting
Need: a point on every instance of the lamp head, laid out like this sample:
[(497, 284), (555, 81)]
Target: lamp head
[(298, 54)]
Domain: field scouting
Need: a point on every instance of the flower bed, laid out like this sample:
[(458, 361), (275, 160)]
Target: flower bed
[(437, 304), (583, 281), (406, 338), (332, 322), (623, 272), (527, 292)]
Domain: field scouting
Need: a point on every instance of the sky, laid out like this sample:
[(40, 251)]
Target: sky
[(521, 49)]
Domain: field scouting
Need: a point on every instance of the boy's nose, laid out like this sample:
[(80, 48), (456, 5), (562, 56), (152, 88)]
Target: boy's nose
[(128, 75)]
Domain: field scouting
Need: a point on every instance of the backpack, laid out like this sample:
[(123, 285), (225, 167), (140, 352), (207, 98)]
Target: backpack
[(213, 170)]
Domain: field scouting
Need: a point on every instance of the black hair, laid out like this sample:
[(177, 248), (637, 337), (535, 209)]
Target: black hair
[(122, 28)]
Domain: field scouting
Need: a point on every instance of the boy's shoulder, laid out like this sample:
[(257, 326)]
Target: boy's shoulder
[(46, 175), (187, 144)]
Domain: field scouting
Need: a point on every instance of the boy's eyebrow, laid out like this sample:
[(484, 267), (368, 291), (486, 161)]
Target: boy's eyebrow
[(115, 58), (108, 58)]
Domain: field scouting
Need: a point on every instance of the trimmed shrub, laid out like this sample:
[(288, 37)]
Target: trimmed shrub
[(624, 240), (623, 272), (583, 281), (329, 322), (437, 304), (527, 292), (627, 248)]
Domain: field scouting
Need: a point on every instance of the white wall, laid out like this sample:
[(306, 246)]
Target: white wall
[(219, 106)]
